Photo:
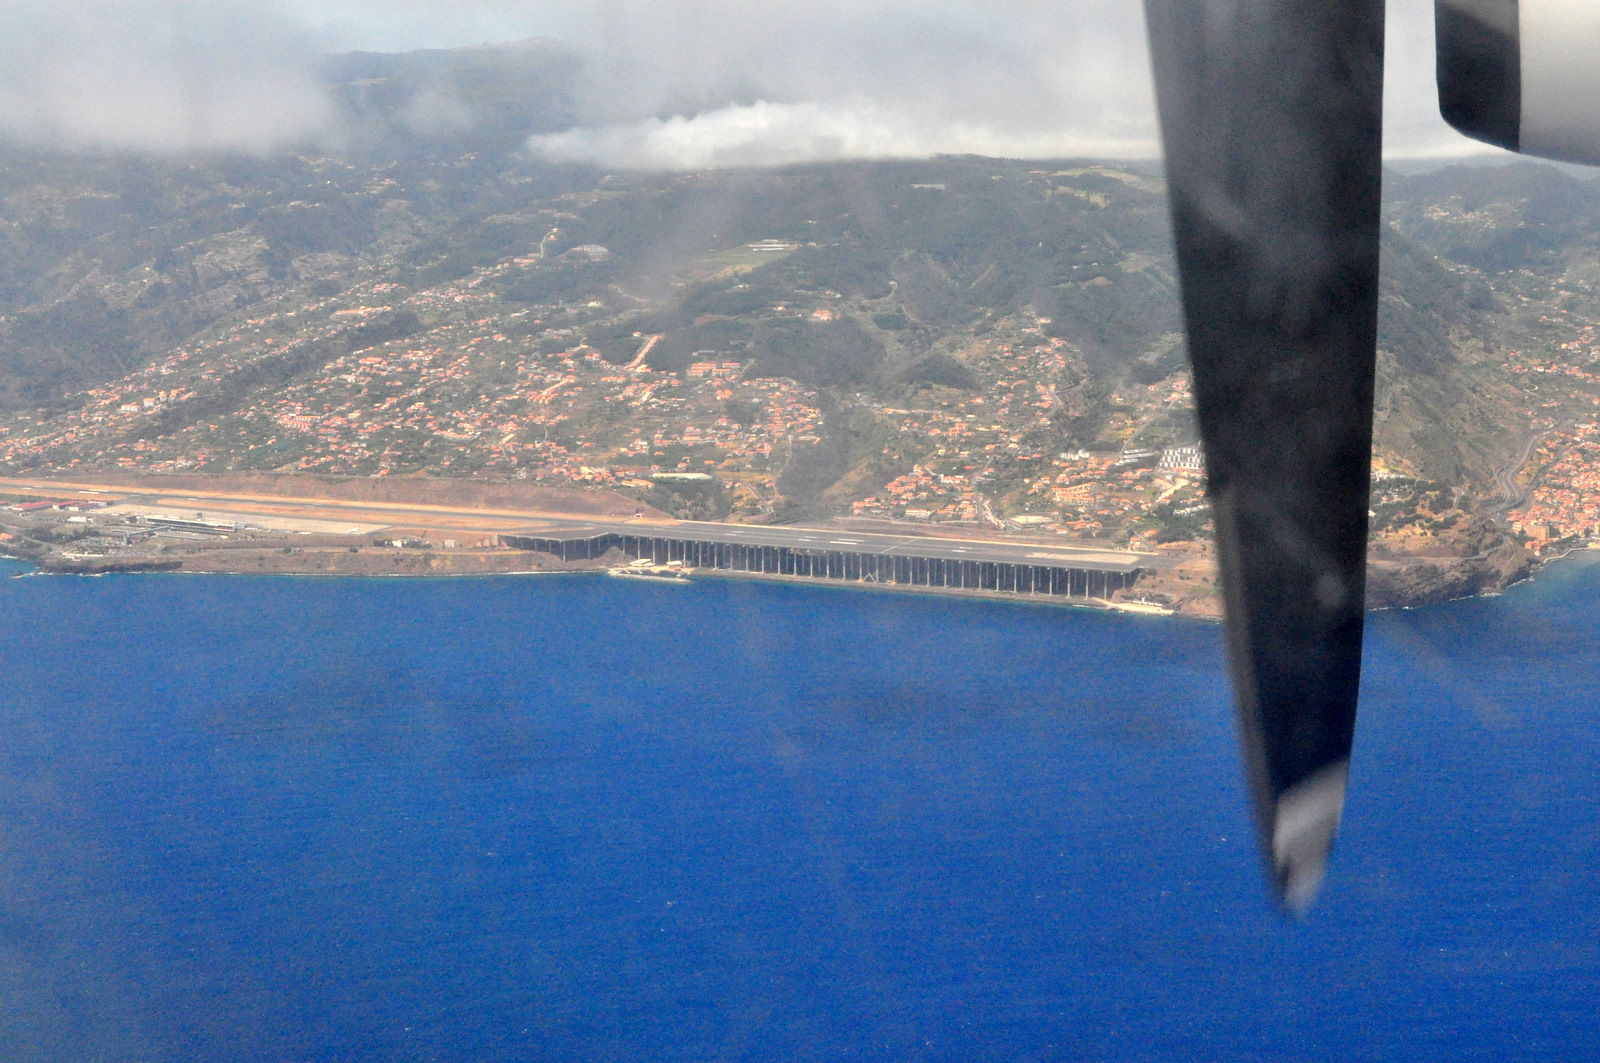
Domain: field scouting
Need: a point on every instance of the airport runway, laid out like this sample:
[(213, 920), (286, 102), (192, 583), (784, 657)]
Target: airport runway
[(383, 515)]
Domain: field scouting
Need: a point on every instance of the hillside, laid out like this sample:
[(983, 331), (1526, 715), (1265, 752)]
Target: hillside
[(958, 339)]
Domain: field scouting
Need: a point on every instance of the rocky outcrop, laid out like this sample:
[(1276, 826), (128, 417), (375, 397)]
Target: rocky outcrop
[(1477, 557), (103, 566), (1423, 581)]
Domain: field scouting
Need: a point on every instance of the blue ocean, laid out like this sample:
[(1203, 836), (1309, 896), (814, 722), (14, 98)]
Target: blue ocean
[(579, 819)]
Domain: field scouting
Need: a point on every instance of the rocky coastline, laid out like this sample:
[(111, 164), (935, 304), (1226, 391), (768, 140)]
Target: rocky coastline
[(1187, 589)]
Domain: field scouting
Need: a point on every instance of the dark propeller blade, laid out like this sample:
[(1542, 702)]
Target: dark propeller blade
[(1270, 117)]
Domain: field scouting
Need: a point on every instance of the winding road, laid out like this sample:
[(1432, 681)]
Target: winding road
[(1513, 494)]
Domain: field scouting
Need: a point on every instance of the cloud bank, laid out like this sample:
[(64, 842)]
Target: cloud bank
[(888, 78), (674, 83), (661, 84), (183, 75), (776, 134)]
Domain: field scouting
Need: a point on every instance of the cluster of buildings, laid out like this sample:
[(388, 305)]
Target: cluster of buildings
[(118, 423), (995, 457), (462, 397), (491, 387), (517, 394), (1564, 496), (483, 390), (1565, 502), (55, 505)]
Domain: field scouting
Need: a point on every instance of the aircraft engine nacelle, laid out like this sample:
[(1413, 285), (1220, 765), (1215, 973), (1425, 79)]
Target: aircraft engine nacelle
[(1522, 74)]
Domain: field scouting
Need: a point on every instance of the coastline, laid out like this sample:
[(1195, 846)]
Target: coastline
[(274, 525), (341, 562), (295, 566)]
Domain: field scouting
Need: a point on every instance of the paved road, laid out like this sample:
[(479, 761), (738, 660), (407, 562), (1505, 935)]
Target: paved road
[(1513, 494)]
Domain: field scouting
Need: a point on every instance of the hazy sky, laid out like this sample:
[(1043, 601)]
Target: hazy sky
[(665, 82)]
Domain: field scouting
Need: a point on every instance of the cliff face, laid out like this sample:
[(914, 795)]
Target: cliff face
[(1476, 557), (1393, 585), (1488, 561)]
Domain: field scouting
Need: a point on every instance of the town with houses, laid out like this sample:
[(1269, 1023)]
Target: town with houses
[(385, 374), (486, 390), (1562, 505)]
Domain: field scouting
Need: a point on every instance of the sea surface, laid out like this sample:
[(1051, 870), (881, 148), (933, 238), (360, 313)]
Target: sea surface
[(580, 819)]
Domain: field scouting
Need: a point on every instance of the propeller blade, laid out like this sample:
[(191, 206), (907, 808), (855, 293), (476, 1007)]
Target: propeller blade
[(1271, 122)]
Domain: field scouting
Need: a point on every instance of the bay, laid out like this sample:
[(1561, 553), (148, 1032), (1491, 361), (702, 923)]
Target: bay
[(571, 818)]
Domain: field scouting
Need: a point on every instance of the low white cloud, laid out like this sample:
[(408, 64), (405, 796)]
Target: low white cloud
[(673, 84), (181, 76), (689, 83), (662, 83), (775, 134)]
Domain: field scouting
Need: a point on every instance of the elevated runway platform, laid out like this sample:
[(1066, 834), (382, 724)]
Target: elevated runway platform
[(1025, 568)]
